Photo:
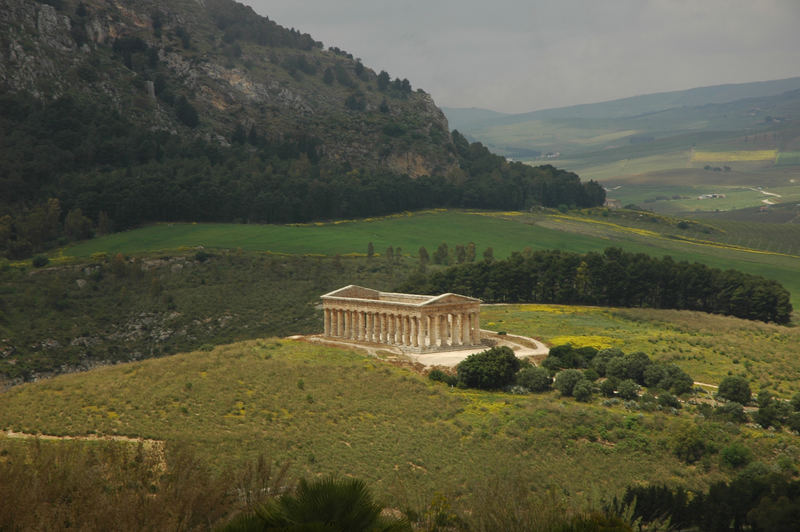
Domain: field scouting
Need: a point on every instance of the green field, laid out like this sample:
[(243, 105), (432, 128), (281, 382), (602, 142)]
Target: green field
[(504, 232), (707, 347), (408, 231), (326, 410)]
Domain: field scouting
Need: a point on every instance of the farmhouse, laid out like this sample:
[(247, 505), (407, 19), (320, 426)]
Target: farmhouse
[(409, 321)]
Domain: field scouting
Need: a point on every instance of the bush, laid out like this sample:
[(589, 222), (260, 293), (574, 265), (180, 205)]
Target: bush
[(602, 359), (654, 375), (668, 400), (40, 261), (735, 389), (736, 455), (628, 389), (690, 445), (732, 411), (677, 381), (590, 374), (535, 379), (583, 391), (566, 380), (438, 375), (489, 370), (608, 387)]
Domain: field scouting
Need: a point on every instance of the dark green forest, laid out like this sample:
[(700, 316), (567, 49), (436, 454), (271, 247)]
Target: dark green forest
[(614, 278)]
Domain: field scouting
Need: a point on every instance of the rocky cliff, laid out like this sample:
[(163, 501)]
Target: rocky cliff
[(215, 69)]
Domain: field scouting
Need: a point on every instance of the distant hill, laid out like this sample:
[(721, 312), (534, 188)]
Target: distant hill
[(688, 143), (462, 118), (624, 107)]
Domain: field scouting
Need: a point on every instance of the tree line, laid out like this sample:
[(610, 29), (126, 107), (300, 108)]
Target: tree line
[(612, 278), (97, 163)]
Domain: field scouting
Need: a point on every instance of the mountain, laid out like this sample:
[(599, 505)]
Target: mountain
[(117, 114), (163, 62), (465, 119)]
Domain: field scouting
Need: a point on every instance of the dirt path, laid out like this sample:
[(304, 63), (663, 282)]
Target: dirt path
[(88, 437), (522, 346)]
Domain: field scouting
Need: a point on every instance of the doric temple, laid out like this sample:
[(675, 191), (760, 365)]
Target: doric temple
[(411, 322)]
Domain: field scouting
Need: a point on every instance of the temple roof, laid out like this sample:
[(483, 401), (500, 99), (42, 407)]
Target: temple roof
[(359, 293)]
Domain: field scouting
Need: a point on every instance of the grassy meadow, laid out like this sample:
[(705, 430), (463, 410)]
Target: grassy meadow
[(706, 346), (325, 410), (504, 232)]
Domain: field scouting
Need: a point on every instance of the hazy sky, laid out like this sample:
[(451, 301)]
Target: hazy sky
[(522, 55)]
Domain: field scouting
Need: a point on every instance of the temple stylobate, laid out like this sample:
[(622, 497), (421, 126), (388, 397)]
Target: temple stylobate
[(409, 321)]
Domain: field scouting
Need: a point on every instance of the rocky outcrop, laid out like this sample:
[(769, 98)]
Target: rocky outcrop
[(232, 78)]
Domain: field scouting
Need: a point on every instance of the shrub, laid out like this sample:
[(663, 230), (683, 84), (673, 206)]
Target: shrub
[(438, 375), (583, 391), (654, 375), (489, 370), (40, 261), (668, 400), (602, 358), (628, 389), (736, 455), (677, 381), (690, 445), (590, 374), (322, 504), (735, 389), (566, 380), (608, 387), (535, 379), (732, 411), (795, 402)]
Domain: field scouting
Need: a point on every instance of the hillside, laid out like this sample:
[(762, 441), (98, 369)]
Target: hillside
[(327, 410), (242, 74), (113, 116), (167, 288)]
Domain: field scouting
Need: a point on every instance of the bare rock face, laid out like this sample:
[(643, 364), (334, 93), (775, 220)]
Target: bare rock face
[(233, 66)]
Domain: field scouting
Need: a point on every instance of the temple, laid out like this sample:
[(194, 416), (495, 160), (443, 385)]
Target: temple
[(409, 321)]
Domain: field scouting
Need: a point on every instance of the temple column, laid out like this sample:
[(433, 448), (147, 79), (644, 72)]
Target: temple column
[(414, 332), (382, 328), (404, 330), (368, 332), (443, 336), (423, 331), (465, 331), (476, 329), (345, 324), (326, 322), (398, 336), (458, 329), (434, 330)]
